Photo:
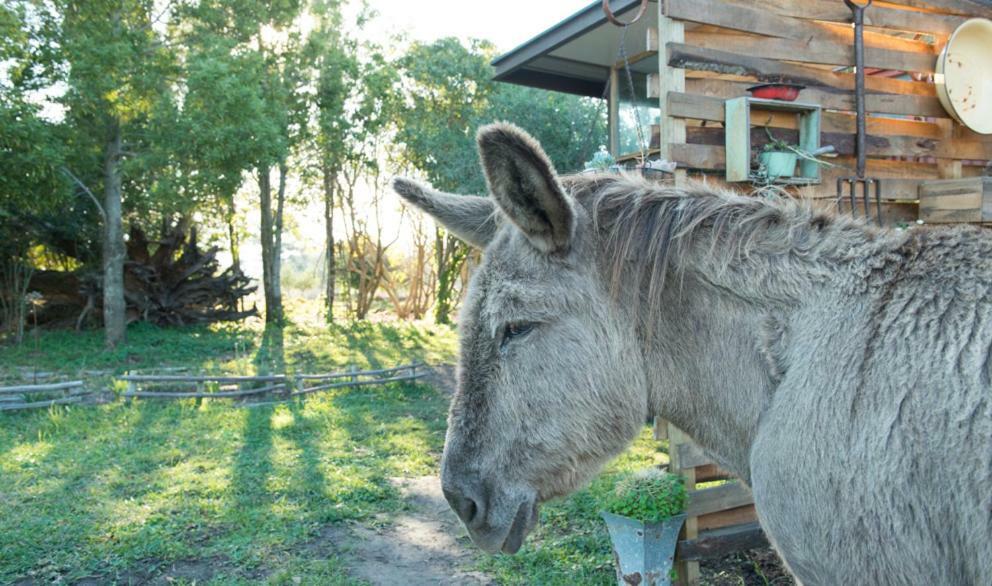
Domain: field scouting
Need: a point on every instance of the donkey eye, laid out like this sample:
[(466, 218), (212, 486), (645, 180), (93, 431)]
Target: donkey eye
[(517, 329)]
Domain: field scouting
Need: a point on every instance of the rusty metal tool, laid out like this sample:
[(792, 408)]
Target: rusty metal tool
[(859, 182)]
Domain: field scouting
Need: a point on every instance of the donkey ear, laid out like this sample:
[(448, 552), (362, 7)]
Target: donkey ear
[(469, 217), (525, 186)]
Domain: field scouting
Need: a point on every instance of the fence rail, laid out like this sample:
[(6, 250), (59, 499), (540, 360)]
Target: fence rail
[(18, 397)]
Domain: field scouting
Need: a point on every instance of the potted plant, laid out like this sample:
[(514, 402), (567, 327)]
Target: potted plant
[(644, 515), (601, 161), (779, 159)]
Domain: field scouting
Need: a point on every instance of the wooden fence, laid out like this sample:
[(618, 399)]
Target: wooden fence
[(712, 50), (37, 396), (171, 386), (180, 386), (721, 517)]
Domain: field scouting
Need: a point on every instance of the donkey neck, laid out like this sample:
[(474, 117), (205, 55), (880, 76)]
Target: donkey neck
[(708, 372)]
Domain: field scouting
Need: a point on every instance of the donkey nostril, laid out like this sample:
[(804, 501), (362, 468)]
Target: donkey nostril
[(466, 507)]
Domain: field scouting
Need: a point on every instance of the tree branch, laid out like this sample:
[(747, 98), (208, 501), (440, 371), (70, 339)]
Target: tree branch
[(96, 202)]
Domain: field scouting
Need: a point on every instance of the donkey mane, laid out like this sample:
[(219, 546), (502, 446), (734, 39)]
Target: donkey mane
[(648, 229)]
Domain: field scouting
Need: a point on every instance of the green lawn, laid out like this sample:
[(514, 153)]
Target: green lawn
[(121, 492)]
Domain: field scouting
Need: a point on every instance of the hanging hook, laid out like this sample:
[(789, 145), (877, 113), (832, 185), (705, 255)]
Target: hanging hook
[(612, 17)]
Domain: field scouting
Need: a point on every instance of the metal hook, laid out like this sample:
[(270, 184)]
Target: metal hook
[(640, 13)]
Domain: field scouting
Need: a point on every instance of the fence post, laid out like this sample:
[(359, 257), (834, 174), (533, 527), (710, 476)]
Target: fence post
[(688, 572)]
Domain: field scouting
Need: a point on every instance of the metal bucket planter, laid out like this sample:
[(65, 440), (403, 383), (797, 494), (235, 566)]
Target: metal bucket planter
[(779, 164), (643, 552)]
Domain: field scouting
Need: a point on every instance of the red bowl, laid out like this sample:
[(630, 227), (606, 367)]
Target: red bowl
[(786, 92)]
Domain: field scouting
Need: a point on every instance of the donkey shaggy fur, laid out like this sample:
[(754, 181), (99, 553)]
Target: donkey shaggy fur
[(842, 371)]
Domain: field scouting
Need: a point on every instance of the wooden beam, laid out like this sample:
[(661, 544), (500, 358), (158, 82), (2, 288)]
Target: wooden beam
[(828, 99), (768, 70), (816, 51), (614, 114), (971, 8), (670, 80), (718, 498), (878, 16), (720, 542)]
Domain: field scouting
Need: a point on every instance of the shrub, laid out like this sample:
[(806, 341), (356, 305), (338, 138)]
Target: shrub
[(648, 495)]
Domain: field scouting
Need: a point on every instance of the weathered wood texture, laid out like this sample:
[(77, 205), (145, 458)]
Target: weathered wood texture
[(721, 542), (956, 200), (733, 44)]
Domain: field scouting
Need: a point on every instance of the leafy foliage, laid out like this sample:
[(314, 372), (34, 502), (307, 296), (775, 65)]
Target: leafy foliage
[(648, 495)]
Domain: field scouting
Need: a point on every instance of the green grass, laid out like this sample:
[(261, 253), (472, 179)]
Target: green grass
[(215, 493)]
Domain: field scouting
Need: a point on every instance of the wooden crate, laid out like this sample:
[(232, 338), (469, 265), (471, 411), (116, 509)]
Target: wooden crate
[(721, 519), (956, 200)]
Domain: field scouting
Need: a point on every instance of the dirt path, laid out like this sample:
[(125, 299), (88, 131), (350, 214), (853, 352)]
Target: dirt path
[(426, 545)]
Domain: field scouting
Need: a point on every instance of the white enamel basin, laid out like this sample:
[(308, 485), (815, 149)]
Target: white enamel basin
[(964, 75)]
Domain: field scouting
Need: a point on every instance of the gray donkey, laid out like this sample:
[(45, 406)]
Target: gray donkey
[(842, 371)]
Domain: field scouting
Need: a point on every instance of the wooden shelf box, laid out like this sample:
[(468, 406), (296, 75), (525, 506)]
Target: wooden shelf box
[(738, 137), (956, 200)]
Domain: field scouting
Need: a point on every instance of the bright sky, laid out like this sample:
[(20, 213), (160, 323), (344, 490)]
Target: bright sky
[(507, 23)]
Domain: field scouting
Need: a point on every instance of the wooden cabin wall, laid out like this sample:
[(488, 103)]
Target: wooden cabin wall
[(726, 45)]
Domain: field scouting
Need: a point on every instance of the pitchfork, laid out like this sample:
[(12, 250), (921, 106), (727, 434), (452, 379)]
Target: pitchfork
[(865, 183)]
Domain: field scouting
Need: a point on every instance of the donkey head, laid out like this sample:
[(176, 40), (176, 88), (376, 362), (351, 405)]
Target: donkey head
[(550, 382)]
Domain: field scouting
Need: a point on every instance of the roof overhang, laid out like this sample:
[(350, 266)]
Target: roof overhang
[(575, 55)]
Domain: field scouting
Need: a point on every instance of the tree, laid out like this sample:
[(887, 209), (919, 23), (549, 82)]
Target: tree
[(337, 76), (449, 87), (30, 187), (118, 69), (450, 95)]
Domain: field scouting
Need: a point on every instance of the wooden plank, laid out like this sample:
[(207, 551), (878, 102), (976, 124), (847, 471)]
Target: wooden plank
[(200, 394), (727, 518), (670, 80), (755, 18), (816, 51), (336, 375), (691, 455), (828, 99), (357, 383), (878, 16), (767, 70), (979, 8), (735, 16), (718, 543), (711, 472), (165, 378), (613, 123), (956, 200), (718, 498), (40, 404), (42, 388)]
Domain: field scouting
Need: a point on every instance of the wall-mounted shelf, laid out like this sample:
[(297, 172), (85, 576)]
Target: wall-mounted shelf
[(738, 137)]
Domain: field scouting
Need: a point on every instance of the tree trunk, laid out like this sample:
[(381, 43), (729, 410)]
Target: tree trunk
[(232, 235), (114, 309), (277, 243), (272, 307), (449, 253), (329, 178)]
